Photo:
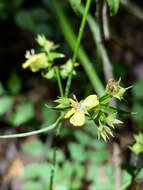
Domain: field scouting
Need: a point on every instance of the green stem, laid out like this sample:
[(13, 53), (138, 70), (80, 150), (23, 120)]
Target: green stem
[(33, 132), (53, 169), (81, 30), (59, 81), (52, 176), (79, 38), (81, 54)]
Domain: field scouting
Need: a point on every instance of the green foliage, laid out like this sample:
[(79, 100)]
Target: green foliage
[(6, 103), (34, 20), (34, 147), (14, 84), (37, 170), (113, 6), (76, 5), (8, 8), (24, 112), (66, 168), (137, 102), (107, 180), (137, 147), (77, 152)]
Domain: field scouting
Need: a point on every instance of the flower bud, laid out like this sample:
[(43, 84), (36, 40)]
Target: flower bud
[(114, 89)]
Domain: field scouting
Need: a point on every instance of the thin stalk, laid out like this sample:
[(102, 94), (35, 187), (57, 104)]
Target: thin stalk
[(52, 176), (59, 81), (43, 130), (70, 37), (77, 46), (53, 169), (81, 30)]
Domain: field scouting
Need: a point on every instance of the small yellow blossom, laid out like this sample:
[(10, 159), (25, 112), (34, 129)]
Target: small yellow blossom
[(79, 109), (46, 44), (35, 61)]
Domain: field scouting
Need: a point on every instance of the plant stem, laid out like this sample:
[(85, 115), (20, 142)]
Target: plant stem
[(57, 133), (54, 160), (53, 169), (43, 130), (81, 54), (77, 46), (81, 30), (59, 81)]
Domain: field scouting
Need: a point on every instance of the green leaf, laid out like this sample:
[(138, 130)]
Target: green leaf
[(113, 6), (6, 104), (24, 112), (37, 170), (137, 92), (75, 4), (99, 145), (105, 99), (14, 84), (99, 156), (107, 109), (34, 20), (83, 138), (77, 152), (126, 180), (34, 147)]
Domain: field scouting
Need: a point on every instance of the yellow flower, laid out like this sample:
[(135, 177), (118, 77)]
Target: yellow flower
[(35, 61), (46, 44), (79, 109)]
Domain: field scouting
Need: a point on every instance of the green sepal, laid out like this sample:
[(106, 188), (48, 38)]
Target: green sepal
[(54, 55), (57, 108), (111, 109), (105, 99)]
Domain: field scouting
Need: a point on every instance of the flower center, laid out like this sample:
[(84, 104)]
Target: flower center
[(79, 106)]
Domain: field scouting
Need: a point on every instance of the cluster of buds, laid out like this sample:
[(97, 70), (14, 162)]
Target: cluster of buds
[(94, 108), (45, 60), (114, 89)]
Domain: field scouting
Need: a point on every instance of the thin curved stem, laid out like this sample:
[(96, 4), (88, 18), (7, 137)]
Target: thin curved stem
[(19, 135), (77, 46)]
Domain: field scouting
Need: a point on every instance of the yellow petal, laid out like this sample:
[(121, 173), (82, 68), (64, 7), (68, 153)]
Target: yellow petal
[(78, 119), (73, 102), (69, 113), (26, 64), (36, 62), (91, 101)]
